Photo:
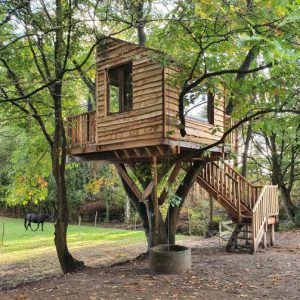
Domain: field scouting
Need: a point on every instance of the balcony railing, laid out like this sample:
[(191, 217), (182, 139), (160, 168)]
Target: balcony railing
[(82, 129)]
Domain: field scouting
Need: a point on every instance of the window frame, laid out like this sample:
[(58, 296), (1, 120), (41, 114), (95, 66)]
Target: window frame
[(210, 108), (121, 88), (210, 111)]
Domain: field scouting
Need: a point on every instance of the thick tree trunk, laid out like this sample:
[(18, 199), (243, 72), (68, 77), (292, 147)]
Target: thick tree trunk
[(155, 236), (58, 152), (278, 178), (145, 212), (287, 201), (67, 262), (240, 76), (246, 150), (182, 192), (141, 34), (166, 230), (141, 23)]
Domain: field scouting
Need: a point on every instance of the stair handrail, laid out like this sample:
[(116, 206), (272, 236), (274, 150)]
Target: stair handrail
[(237, 193), (265, 206), (237, 182), (242, 177), (252, 192)]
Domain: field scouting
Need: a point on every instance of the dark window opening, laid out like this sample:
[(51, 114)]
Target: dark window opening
[(119, 87), (199, 106)]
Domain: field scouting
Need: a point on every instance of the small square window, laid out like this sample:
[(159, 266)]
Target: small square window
[(119, 89)]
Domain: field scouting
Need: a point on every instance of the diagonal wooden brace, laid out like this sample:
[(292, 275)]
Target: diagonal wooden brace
[(174, 173), (123, 173), (148, 190)]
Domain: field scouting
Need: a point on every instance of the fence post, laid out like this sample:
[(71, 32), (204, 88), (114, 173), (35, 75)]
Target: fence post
[(96, 216), (79, 220)]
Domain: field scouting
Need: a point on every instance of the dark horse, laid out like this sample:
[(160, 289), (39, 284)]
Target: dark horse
[(33, 218)]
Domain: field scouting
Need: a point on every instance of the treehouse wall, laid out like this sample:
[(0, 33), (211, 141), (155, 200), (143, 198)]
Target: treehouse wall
[(196, 131), (144, 123)]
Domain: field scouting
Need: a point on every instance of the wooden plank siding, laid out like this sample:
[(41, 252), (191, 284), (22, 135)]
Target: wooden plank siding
[(197, 131), (155, 102), (145, 120)]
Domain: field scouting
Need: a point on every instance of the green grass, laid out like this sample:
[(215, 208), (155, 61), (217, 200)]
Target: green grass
[(20, 244)]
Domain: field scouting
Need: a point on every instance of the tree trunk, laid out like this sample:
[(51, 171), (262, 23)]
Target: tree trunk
[(182, 192), (141, 34), (287, 201), (107, 208), (58, 153), (246, 150), (145, 212), (67, 262), (159, 236), (141, 23), (166, 230), (278, 178)]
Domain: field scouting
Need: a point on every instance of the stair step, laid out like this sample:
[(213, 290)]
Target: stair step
[(246, 217)]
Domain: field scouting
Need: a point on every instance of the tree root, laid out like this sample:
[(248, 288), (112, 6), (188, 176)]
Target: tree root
[(140, 257)]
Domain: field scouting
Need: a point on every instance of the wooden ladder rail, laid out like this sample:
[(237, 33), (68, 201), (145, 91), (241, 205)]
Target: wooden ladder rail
[(266, 205)]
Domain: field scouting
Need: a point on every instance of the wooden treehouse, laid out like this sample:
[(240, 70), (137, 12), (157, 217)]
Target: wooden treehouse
[(136, 120)]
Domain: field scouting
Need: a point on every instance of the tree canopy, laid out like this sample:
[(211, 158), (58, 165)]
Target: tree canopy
[(249, 49)]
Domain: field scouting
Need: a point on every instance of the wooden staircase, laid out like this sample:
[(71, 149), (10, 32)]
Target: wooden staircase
[(252, 208)]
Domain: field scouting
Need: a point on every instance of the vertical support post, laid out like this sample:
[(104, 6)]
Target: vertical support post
[(265, 240), (238, 199), (211, 209), (272, 235), (79, 220), (81, 129), (155, 198)]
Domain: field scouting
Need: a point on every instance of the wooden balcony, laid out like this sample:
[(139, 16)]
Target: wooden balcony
[(81, 130), (82, 140)]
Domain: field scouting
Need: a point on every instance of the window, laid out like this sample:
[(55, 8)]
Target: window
[(119, 89), (199, 106)]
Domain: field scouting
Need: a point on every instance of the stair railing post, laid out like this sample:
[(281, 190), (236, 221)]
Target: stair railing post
[(239, 200)]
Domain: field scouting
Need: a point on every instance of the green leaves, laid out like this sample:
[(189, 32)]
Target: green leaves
[(174, 200)]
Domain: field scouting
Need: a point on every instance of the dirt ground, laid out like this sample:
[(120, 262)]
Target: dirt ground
[(271, 274)]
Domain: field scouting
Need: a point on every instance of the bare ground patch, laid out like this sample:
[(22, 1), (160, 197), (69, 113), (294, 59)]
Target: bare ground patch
[(216, 274)]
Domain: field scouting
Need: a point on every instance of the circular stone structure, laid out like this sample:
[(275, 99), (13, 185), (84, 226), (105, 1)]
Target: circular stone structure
[(170, 259)]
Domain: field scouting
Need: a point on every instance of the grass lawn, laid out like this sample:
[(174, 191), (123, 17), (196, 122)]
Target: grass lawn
[(20, 244)]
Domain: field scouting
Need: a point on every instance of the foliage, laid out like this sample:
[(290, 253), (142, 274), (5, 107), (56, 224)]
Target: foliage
[(211, 40), (28, 167)]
